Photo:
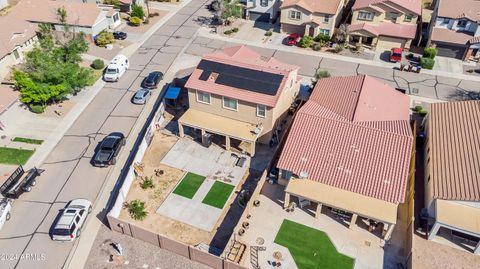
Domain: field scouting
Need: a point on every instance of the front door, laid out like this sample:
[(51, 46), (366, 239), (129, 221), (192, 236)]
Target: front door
[(311, 31)]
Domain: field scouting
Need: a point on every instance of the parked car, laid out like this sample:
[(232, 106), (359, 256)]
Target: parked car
[(141, 96), (72, 218), (119, 35), (5, 207), (396, 55), (117, 67), (293, 39), (108, 150), (152, 80), (20, 181)]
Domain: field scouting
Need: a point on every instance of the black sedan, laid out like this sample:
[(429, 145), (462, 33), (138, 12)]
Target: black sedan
[(108, 150), (119, 35), (152, 80)]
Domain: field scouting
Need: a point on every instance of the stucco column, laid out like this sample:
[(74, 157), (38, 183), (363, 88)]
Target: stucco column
[(180, 130), (286, 201), (352, 221), (434, 231), (252, 153), (227, 142), (388, 231), (307, 29), (318, 211), (360, 40), (203, 132)]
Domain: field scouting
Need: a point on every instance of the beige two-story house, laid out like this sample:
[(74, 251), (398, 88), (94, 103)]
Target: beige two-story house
[(384, 24), (311, 17), (237, 94)]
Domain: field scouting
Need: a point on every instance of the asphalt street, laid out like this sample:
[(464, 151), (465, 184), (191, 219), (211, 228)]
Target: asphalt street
[(68, 173), (25, 240)]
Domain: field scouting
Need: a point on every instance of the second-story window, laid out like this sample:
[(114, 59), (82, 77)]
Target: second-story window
[(261, 111), (230, 103), (462, 23), (408, 17), (392, 15), (294, 15), (326, 19), (203, 97), (365, 16), (264, 3)]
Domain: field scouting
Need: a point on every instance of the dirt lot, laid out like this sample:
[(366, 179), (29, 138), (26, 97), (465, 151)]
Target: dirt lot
[(164, 184)]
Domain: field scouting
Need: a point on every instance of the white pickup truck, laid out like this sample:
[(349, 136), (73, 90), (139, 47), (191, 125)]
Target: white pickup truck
[(5, 207)]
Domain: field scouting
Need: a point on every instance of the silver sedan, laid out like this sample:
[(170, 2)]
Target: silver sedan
[(141, 96)]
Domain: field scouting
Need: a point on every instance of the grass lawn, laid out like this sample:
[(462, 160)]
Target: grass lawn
[(218, 195), (28, 140), (311, 248), (14, 156), (189, 185)]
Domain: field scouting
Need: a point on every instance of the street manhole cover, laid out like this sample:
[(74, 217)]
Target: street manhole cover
[(260, 241)]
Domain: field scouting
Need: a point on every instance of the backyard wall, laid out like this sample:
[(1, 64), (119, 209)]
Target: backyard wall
[(121, 226)]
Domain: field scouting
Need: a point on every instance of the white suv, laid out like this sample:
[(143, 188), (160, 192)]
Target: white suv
[(71, 220)]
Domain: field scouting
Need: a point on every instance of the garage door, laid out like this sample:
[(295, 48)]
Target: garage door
[(257, 16), (387, 43), (446, 50)]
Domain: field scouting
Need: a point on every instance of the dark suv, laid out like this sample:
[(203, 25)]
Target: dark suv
[(108, 150), (152, 80)]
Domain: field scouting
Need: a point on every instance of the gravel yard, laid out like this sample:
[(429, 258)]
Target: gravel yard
[(136, 254)]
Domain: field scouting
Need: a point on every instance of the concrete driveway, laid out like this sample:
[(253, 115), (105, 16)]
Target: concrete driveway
[(448, 65)]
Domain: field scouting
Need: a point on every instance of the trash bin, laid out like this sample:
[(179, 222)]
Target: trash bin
[(207, 140)]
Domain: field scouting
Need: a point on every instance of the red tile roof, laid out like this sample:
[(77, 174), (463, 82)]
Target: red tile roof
[(414, 6), (451, 36), (386, 29), (459, 9), (242, 56), (454, 140), (354, 134)]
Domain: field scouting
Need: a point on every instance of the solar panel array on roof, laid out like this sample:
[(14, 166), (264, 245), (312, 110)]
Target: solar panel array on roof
[(241, 78)]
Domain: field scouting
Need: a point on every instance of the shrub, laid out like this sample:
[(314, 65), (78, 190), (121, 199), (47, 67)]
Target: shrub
[(322, 74), (104, 38), (137, 11), (418, 108), (153, 14), (136, 208), (135, 21), (38, 109), (97, 64), (228, 32), (269, 33), (338, 48), (316, 46), (147, 183), (430, 53), (114, 3), (322, 38), (423, 113), (235, 29), (427, 63), (305, 42)]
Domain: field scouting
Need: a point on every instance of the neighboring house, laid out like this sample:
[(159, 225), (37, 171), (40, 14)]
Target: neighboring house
[(240, 95), (452, 172), (311, 17), (385, 24), (262, 10), (454, 28), (16, 37), (81, 17), (349, 149)]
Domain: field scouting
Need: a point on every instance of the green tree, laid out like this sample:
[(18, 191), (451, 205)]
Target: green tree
[(62, 17), (137, 11)]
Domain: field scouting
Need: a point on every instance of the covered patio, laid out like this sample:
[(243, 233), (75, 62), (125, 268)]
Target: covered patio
[(246, 133), (458, 219), (344, 202)]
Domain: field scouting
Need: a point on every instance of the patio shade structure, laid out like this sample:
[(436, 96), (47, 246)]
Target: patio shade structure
[(172, 94)]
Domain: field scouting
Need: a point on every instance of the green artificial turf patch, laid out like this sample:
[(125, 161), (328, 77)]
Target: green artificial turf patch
[(218, 195), (189, 185), (28, 140), (311, 248)]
